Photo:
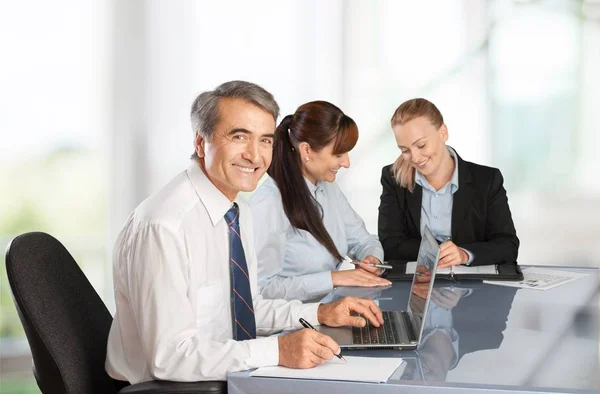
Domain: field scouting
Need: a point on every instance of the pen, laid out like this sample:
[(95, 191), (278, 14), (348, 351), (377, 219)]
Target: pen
[(306, 324), (451, 267), (356, 262)]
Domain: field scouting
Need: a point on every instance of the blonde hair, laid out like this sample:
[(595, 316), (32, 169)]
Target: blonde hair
[(402, 170)]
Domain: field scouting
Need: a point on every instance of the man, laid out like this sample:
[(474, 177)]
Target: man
[(185, 275)]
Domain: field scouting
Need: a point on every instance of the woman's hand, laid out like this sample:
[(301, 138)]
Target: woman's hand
[(450, 255), (357, 277), (447, 297), (367, 265)]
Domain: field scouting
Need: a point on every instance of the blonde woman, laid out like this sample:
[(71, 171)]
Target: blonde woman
[(463, 203)]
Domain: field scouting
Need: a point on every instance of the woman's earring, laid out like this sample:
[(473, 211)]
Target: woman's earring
[(307, 159)]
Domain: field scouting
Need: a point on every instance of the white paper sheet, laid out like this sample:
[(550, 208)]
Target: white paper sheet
[(541, 279), (358, 369), (458, 269)]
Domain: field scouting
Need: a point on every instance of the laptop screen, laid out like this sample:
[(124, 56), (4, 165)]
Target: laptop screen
[(422, 284)]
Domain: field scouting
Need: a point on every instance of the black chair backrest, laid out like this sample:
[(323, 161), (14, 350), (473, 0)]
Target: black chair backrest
[(65, 320)]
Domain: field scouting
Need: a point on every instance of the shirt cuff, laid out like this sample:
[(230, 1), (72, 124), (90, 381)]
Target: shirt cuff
[(264, 352), (310, 313), (317, 283), (471, 256), (376, 252)]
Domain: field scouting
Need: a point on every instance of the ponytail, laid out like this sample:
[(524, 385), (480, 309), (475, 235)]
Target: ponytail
[(300, 207), (404, 173)]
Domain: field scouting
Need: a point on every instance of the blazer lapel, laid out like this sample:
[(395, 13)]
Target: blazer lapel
[(461, 199), (414, 202)]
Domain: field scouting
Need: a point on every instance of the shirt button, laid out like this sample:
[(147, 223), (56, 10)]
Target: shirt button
[(436, 196), (435, 216)]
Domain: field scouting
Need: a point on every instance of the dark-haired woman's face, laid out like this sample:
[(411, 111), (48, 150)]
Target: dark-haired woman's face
[(323, 166)]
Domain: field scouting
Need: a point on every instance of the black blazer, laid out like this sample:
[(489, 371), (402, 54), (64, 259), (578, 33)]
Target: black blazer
[(481, 219)]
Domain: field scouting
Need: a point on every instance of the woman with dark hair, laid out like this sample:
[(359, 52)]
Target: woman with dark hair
[(303, 224), (463, 203)]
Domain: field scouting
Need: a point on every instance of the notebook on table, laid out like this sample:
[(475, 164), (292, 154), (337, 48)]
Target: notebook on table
[(404, 270), (358, 369)]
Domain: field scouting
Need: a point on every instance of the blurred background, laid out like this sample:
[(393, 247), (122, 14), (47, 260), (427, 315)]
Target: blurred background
[(95, 98)]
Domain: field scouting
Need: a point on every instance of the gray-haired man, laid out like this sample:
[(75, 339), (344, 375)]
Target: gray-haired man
[(185, 271)]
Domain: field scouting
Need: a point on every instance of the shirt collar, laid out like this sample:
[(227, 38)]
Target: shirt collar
[(313, 188), (422, 181), (214, 201), (454, 179)]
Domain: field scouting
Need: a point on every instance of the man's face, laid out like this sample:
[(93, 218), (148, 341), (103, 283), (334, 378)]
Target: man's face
[(240, 149)]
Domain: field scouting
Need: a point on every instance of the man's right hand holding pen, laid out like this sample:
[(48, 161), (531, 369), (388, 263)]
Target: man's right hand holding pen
[(308, 348)]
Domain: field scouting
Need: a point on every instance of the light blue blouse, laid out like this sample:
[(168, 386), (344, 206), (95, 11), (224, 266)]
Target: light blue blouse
[(292, 264), (436, 205)]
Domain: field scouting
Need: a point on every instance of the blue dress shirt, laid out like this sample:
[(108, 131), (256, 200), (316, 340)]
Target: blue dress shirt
[(436, 205), (292, 264)]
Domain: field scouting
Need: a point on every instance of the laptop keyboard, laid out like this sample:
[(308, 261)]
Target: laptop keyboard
[(386, 334)]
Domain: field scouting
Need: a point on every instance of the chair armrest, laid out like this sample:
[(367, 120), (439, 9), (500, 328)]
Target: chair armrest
[(167, 387)]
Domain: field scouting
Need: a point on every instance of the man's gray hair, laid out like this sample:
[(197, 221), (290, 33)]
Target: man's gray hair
[(205, 110)]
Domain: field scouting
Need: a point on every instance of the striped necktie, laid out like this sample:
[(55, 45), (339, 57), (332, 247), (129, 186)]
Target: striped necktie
[(244, 323)]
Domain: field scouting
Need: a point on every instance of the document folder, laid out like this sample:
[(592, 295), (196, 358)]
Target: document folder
[(502, 272)]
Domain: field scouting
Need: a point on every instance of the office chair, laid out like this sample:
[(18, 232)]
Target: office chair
[(67, 323)]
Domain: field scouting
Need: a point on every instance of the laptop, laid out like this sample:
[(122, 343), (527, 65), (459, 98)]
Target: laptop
[(402, 329)]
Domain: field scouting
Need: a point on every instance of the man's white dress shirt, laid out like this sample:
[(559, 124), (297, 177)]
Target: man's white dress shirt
[(173, 294), (292, 264)]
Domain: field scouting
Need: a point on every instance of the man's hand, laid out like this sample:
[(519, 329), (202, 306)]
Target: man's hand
[(306, 349), (339, 313), (367, 265), (357, 277), (450, 255)]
